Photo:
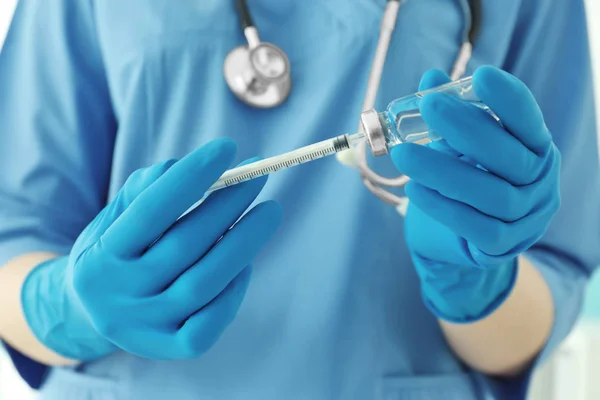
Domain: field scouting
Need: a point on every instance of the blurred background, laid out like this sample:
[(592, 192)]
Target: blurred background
[(573, 372)]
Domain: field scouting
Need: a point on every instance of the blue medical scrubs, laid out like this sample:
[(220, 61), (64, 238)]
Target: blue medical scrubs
[(93, 90)]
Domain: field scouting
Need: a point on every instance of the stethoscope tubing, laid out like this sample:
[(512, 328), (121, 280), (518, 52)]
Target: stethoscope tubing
[(472, 16), (373, 181)]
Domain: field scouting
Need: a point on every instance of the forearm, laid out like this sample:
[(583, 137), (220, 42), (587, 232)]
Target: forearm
[(504, 343), (14, 329)]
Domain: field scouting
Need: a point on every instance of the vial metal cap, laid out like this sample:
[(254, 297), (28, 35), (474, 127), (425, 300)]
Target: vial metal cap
[(373, 130)]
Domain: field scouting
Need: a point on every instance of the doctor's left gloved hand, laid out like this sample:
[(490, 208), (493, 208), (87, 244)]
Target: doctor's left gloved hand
[(142, 278), (481, 196)]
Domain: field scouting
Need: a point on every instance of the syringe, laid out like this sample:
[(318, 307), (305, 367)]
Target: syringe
[(400, 123), (286, 160)]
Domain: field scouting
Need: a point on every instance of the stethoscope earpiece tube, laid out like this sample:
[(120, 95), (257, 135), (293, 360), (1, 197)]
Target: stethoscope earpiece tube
[(244, 14), (476, 20)]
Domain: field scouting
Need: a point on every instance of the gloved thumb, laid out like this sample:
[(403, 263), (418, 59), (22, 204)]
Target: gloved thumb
[(433, 78)]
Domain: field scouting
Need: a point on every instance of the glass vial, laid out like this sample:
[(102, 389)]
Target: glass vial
[(402, 121)]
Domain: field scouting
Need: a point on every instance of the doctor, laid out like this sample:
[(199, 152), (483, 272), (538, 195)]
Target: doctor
[(115, 118)]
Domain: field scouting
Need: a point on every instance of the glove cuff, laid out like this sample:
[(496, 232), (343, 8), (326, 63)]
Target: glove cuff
[(58, 321), (473, 293)]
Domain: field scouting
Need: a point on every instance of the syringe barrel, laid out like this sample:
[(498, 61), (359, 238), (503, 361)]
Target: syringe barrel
[(267, 166), (402, 121)]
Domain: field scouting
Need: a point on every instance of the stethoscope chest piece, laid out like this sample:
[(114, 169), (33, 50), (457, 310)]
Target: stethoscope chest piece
[(258, 74)]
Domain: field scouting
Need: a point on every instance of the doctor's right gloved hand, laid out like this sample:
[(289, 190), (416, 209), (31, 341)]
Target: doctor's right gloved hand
[(479, 198), (139, 281)]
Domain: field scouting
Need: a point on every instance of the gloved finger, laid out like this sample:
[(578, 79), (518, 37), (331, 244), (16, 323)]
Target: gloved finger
[(433, 78), (201, 283), (193, 235), (442, 146), (523, 234), (145, 341), (514, 104), (489, 235), (137, 182), (166, 340), (465, 183), (135, 336), (203, 329), (483, 231), (474, 133), (161, 204)]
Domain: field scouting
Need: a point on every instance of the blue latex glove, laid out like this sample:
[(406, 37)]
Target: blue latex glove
[(479, 197), (171, 298)]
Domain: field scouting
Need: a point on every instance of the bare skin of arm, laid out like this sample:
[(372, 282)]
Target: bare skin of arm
[(505, 343), (14, 329)]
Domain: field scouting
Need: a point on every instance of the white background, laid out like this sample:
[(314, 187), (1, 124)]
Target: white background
[(574, 372), (6, 9)]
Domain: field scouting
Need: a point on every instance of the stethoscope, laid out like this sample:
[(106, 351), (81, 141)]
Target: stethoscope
[(259, 74)]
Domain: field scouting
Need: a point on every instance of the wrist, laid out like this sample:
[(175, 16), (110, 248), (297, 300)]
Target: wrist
[(465, 294), (56, 318)]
